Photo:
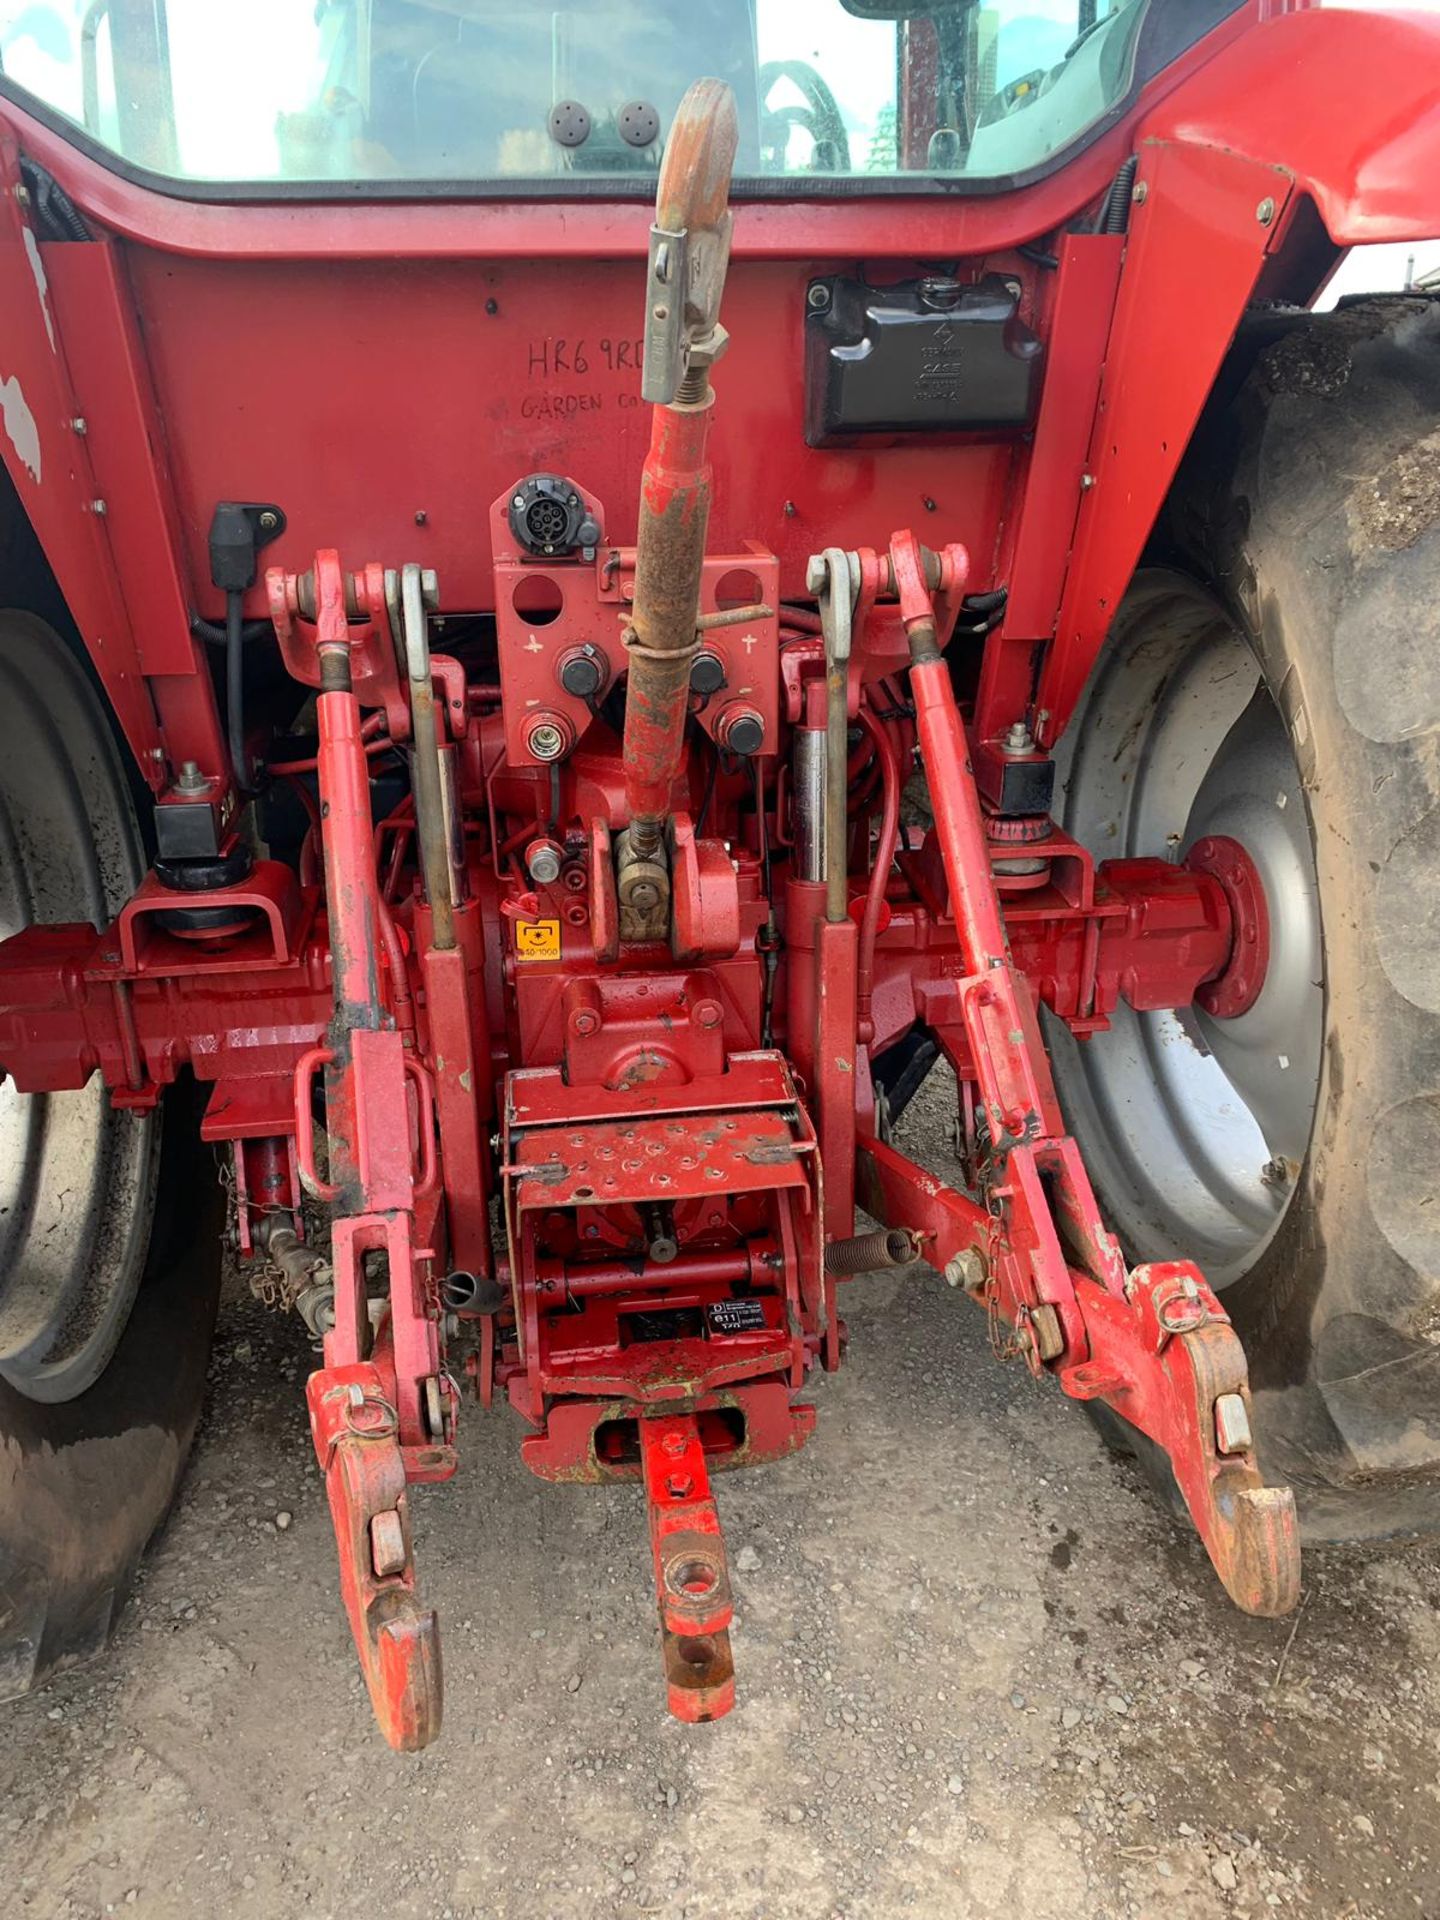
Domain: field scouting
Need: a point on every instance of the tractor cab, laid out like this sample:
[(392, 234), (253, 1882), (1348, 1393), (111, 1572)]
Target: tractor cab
[(483, 97)]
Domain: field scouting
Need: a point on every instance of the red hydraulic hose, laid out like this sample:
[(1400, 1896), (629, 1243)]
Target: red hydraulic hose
[(399, 974)]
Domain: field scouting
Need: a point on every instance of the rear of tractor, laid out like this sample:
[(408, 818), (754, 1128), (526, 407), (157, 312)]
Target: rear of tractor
[(471, 641)]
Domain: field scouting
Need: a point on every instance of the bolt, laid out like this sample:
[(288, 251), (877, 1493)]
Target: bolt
[(542, 862), (1139, 193), (584, 1021), (269, 522), (80, 426), (190, 779), (518, 501), (99, 507), (422, 518), (1265, 212), (1087, 481), (1014, 288), (816, 573), (492, 307), (22, 196), (707, 1013), (968, 1269), (1019, 740), (818, 298), (546, 741), (678, 1485)]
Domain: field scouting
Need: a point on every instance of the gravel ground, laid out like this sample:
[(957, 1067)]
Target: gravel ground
[(980, 1673)]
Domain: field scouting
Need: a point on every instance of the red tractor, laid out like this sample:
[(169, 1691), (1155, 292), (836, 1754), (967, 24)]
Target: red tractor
[(470, 645)]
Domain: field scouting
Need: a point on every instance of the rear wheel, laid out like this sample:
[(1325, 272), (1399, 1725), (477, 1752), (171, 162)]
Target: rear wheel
[(1279, 691), (108, 1264)]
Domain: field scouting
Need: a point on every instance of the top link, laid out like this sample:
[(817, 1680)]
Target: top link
[(690, 243)]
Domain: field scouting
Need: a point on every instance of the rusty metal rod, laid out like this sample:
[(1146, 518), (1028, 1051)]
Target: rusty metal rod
[(691, 244), (734, 617)]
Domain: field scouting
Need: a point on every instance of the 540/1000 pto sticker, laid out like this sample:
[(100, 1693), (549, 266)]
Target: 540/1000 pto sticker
[(537, 939)]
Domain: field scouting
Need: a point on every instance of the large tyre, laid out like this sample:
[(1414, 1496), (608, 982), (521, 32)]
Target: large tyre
[(1277, 682), (109, 1244)]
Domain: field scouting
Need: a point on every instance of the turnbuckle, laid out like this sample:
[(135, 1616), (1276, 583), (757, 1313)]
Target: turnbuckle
[(692, 1579), (357, 1442)]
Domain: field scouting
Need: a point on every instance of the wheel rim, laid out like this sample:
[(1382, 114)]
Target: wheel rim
[(1194, 1127), (77, 1176)]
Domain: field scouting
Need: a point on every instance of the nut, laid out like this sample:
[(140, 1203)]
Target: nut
[(968, 1269)]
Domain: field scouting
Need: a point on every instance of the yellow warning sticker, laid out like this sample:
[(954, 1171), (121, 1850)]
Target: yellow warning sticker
[(537, 939)]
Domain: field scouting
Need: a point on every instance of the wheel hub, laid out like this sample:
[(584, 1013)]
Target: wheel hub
[(1235, 990), (1193, 1121)]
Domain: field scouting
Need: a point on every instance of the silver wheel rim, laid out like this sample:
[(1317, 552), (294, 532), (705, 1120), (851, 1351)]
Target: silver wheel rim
[(1195, 1128), (77, 1177)]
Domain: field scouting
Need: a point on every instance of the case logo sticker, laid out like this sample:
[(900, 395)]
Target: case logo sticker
[(537, 939)]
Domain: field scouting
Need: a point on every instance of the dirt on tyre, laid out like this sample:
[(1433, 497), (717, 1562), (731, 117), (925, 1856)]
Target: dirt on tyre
[(109, 1224), (1275, 683)]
